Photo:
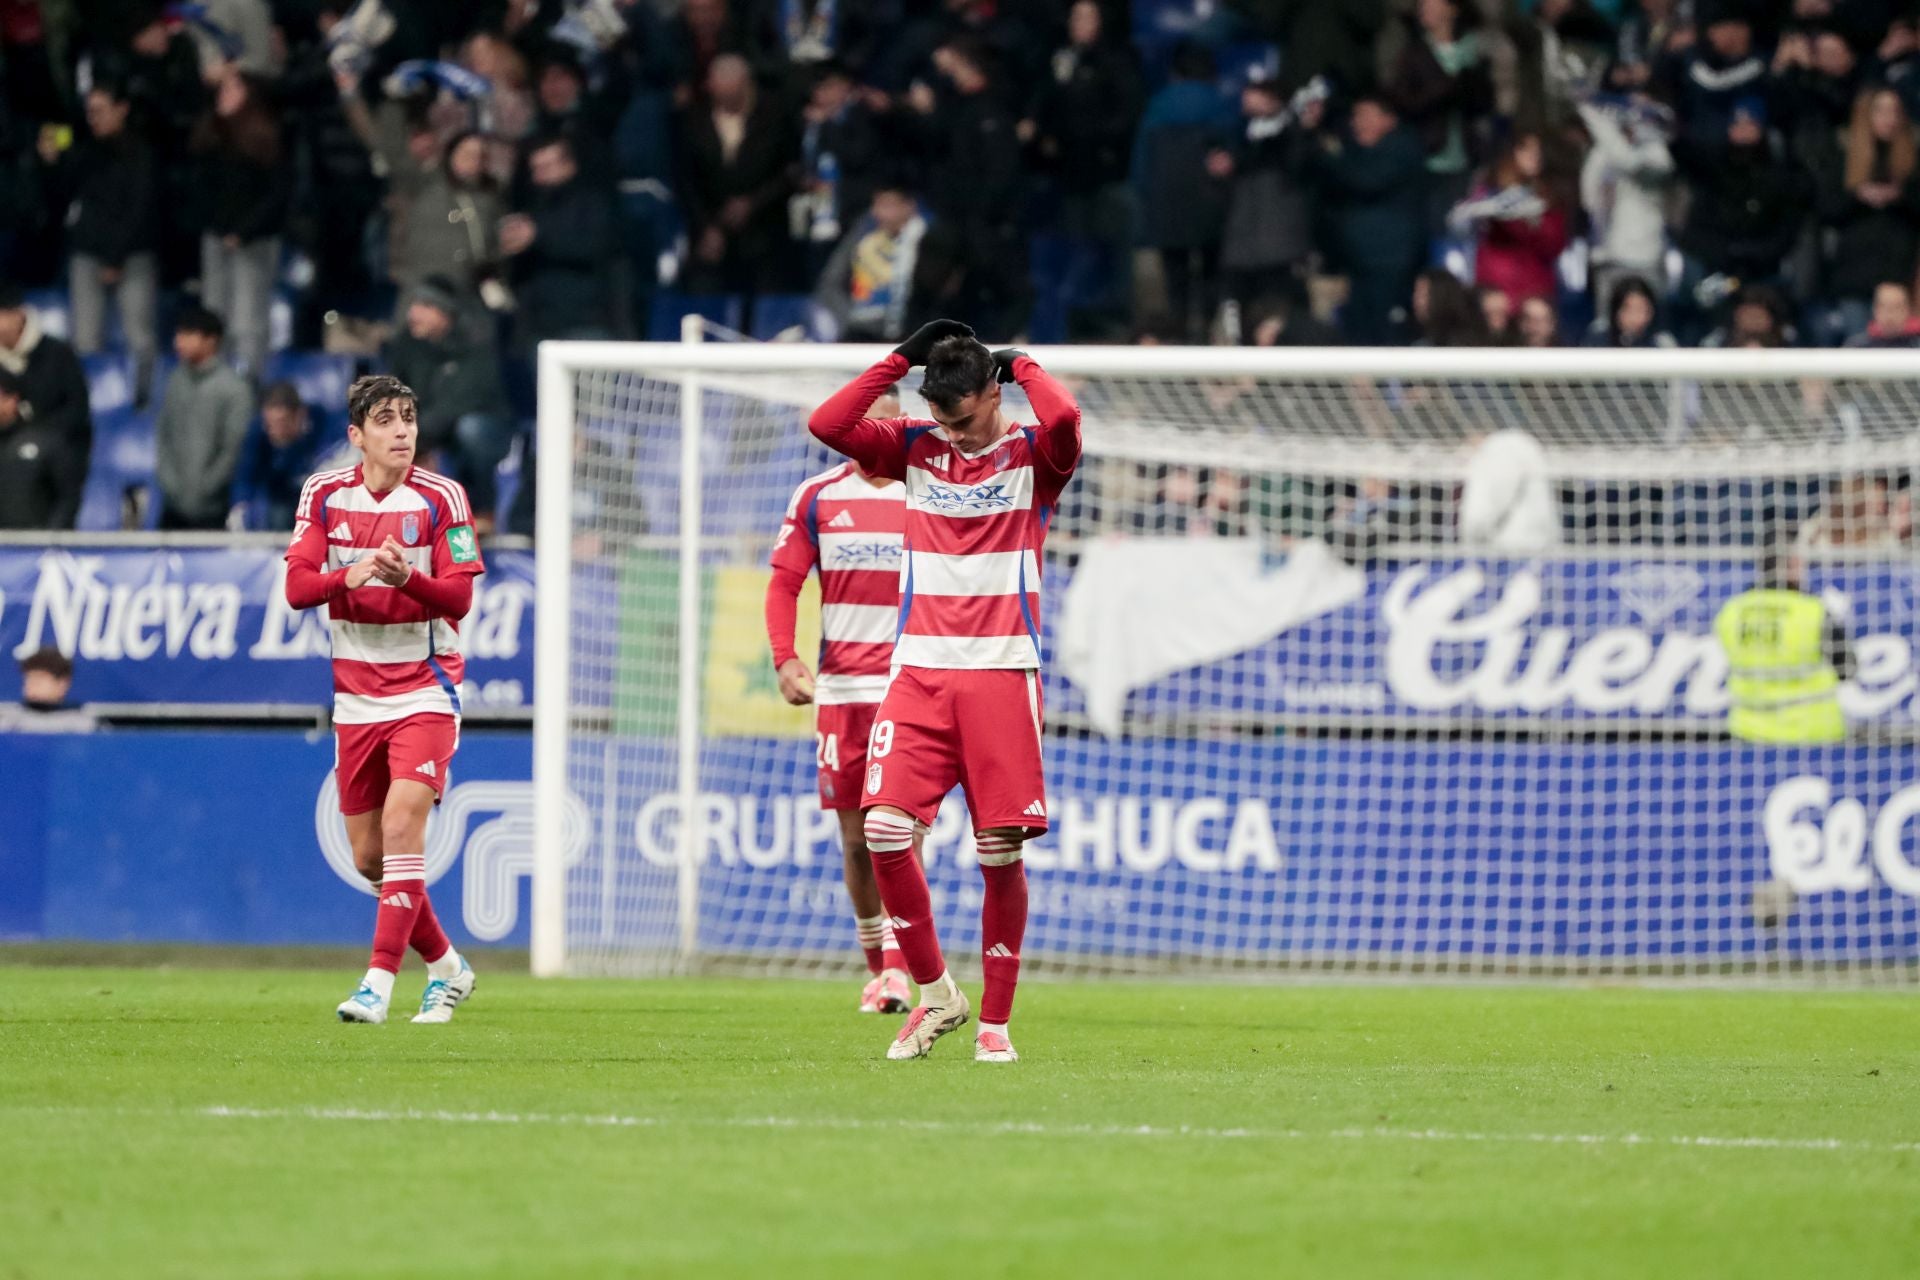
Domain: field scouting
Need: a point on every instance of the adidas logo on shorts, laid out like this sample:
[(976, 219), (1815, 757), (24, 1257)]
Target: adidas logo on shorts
[(428, 769), (1035, 810)]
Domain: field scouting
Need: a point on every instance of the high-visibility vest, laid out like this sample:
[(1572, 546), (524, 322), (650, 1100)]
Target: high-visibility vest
[(1782, 686)]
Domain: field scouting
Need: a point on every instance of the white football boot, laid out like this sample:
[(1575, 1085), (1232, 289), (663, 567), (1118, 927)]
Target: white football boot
[(991, 1046), (926, 1024), (443, 995), (364, 1005), (888, 992)]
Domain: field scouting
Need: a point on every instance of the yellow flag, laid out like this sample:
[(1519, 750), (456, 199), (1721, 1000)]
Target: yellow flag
[(742, 693)]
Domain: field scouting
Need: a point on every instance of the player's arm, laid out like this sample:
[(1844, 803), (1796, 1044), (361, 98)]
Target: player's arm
[(879, 446), (1057, 441), (795, 552), (309, 583)]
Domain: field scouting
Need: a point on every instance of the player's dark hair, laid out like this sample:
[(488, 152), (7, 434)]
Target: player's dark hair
[(957, 367), (368, 393), (50, 660), (201, 320)]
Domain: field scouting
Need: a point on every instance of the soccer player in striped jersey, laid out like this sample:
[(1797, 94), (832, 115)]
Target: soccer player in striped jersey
[(963, 703), (847, 524), (389, 548)]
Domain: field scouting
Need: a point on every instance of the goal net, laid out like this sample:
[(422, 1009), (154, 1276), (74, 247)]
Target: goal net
[(1379, 662)]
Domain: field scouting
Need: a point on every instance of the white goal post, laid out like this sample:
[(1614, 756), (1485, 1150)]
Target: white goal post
[(1391, 662)]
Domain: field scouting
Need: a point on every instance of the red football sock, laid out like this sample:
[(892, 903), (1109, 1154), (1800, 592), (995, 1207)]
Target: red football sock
[(403, 891), (1003, 924), (869, 930), (903, 891), (428, 938)]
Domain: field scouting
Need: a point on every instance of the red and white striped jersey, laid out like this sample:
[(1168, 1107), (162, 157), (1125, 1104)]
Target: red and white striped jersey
[(391, 657), (851, 530), (975, 522)]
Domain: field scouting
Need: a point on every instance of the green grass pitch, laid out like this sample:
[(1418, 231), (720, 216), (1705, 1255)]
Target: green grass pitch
[(195, 1123)]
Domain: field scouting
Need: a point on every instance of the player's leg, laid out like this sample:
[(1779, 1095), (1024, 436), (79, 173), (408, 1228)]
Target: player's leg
[(360, 774), (998, 717), (911, 765), (420, 761), (841, 733)]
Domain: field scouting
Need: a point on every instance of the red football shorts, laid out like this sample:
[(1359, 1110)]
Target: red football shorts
[(840, 749), (368, 758), (979, 729)]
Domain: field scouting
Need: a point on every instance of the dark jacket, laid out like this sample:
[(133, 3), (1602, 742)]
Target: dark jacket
[(1180, 205), (269, 478), (242, 181), (1333, 38), (976, 178), (1269, 220), (761, 170), (34, 485), (1085, 112), (1748, 206), (453, 378), (1871, 245), (1433, 103), (111, 190), (53, 389), (562, 278), (1376, 198)]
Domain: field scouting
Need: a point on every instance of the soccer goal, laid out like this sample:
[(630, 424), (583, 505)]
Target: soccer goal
[(1358, 662)]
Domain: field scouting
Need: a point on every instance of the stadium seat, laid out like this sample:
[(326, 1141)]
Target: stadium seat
[(109, 381), (322, 378)]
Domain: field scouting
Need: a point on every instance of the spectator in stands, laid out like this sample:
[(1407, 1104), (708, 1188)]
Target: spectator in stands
[(973, 262), (1893, 324), (1445, 312), (1896, 62), (1181, 204), (1285, 320), (1856, 515), (1815, 82), (1560, 47), (452, 227), (703, 31), (1320, 39), (738, 154), (866, 291), (1081, 130), (279, 454), (244, 190), (46, 692), (1519, 221), (1757, 319), (1749, 200), (1496, 309), (1705, 81), (237, 35), (33, 483), (1623, 186), (201, 427), (1442, 88), (841, 153), (110, 190), (1269, 223), (1538, 324), (464, 415), (1655, 31), (1630, 319), (52, 387), (1372, 176), (1873, 214), (561, 246)]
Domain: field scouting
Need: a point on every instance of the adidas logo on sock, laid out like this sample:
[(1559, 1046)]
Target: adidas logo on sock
[(898, 923), (400, 900), (428, 769), (999, 951), (1035, 810), (842, 521)]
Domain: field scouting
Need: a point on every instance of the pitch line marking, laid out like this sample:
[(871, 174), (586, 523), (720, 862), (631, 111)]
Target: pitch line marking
[(1035, 1129)]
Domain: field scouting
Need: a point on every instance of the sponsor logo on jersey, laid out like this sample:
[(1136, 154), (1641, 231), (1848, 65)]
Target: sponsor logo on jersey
[(864, 555), (963, 497), (460, 544), (842, 521), (410, 529)]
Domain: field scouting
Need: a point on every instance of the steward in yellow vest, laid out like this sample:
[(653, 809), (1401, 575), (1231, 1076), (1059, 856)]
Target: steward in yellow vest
[(1786, 657)]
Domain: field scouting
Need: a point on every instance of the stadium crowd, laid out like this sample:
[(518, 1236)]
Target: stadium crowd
[(436, 187)]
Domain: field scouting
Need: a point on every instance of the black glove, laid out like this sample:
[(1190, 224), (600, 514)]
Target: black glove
[(917, 348), (1003, 362)]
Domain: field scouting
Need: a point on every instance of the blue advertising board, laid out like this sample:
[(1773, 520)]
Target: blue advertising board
[(1249, 849), (211, 624)]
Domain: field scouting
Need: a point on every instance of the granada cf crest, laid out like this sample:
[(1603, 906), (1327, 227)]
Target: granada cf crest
[(873, 779), (410, 530)]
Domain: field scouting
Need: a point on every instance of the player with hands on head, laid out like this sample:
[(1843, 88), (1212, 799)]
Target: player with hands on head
[(389, 549), (847, 525), (963, 705)]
